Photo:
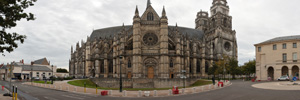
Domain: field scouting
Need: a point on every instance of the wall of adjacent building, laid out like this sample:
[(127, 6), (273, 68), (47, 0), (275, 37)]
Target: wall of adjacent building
[(268, 57)]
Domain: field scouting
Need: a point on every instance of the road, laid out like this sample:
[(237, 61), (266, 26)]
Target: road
[(238, 91)]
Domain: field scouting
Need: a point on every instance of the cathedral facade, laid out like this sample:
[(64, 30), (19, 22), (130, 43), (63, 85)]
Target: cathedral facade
[(151, 48)]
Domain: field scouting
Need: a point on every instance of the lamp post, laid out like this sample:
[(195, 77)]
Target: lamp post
[(184, 69), (52, 75), (224, 71), (120, 74), (31, 71)]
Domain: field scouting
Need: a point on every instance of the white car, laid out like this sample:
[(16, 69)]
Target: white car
[(283, 78)]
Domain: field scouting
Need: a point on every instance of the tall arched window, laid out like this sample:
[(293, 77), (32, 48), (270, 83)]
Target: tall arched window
[(191, 66), (129, 63), (198, 66), (213, 22), (110, 66), (225, 22), (171, 63), (150, 16)]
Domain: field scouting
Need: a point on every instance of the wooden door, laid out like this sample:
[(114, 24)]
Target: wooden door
[(150, 72), (171, 75), (129, 74)]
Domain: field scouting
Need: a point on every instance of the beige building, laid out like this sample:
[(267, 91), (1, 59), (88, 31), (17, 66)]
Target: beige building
[(39, 70), (151, 48), (277, 57)]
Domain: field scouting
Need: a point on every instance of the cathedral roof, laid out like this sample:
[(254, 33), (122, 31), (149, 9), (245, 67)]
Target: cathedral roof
[(284, 38), (112, 31), (107, 32)]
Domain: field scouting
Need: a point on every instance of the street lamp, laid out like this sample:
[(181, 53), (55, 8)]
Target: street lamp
[(52, 75), (184, 69), (31, 71), (120, 74)]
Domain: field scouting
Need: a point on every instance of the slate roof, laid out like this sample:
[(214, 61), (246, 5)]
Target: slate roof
[(39, 61), (294, 37), (110, 32), (35, 68)]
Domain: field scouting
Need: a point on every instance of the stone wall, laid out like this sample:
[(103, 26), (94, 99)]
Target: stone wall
[(142, 82)]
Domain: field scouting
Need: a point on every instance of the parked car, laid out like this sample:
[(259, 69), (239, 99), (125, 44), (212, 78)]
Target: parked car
[(283, 78), (36, 78)]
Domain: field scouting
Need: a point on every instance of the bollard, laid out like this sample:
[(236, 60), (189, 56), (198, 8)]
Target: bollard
[(75, 89), (140, 93), (110, 92), (67, 88), (54, 87), (16, 93), (2, 88), (13, 92), (84, 87), (124, 93), (202, 88), (96, 89), (170, 92), (194, 89), (155, 93), (183, 90)]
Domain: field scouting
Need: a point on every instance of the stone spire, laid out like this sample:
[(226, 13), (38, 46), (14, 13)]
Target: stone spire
[(176, 27), (123, 26), (137, 15), (71, 49), (164, 13), (148, 3), (136, 11)]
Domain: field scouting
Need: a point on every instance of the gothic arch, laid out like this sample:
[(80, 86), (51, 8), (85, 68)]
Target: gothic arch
[(150, 16), (150, 67), (206, 66), (150, 62)]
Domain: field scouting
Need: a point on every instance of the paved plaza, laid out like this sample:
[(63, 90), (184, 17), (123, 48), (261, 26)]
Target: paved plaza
[(239, 90)]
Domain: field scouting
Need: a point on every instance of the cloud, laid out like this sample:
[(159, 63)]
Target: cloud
[(62, 23)]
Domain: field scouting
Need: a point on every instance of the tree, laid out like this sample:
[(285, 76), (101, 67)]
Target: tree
[(61, 70), (232, 67), (249, 67), (12, 11)]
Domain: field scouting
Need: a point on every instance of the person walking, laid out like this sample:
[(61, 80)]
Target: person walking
[(213, 80)]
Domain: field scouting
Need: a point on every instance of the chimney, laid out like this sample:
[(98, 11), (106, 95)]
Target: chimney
[(23, 61)]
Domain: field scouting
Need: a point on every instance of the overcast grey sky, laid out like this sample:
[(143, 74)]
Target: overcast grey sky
[(62, 23)]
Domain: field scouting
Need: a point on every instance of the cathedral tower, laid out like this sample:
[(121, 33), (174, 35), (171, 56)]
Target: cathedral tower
[(218, 29)]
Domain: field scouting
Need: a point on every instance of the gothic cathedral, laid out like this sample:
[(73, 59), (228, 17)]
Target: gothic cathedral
[(151, 48)]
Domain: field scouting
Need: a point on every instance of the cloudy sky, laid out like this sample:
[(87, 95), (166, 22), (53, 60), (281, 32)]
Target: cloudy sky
[(62, 23)]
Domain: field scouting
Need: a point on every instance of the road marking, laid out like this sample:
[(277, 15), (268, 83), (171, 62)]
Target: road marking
[(73, 97), (49, 98)]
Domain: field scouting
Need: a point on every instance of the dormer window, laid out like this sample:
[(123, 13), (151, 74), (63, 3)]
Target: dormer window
[(150, 16)]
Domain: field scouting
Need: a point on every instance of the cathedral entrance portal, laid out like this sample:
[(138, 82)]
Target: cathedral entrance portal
[(150, 72), (150, 68)]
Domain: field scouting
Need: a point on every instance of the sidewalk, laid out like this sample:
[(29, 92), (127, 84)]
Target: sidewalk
[(3, 92), (64, 86)]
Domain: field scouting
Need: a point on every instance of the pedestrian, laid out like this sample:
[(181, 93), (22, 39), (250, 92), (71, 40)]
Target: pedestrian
[(213, 80)]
